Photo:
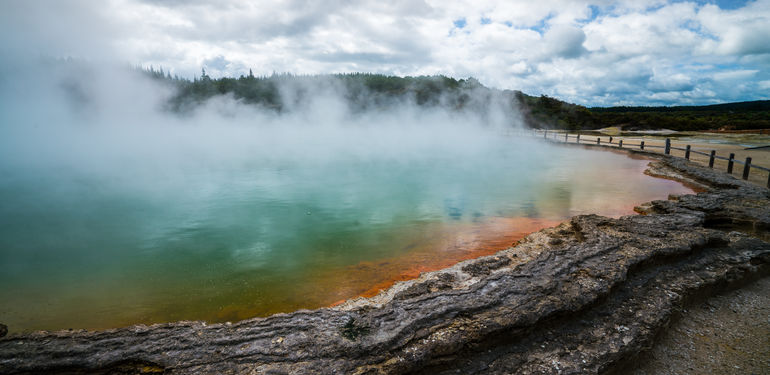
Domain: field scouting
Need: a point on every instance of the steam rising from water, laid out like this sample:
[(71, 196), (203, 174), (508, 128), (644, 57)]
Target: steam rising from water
[(111, 122), (114, 211), (101, 185)]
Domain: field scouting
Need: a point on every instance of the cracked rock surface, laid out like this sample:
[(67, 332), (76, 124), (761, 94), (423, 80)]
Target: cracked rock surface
[(582, 297)]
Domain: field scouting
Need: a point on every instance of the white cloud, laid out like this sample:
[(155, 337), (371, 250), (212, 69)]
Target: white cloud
[(591, 52), (730, 76), (564, 42), (738, 32)]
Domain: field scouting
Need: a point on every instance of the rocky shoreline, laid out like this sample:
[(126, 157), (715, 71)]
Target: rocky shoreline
[(583, 297)]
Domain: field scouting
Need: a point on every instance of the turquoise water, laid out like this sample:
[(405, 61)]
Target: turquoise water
[(83, 248)]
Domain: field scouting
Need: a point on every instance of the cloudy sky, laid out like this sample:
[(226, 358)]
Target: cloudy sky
[(631, 52)]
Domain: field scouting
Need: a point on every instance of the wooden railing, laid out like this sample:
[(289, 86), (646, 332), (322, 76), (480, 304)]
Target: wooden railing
[(666, 147)]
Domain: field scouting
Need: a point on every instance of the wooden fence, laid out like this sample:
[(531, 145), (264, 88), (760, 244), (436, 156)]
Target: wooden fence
[(667, 147)]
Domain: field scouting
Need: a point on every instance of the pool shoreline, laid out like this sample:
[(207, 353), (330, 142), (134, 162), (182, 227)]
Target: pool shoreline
[(585, 295), (237, 254)]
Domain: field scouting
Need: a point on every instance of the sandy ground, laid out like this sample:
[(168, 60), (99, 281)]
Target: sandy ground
[(726, 334)]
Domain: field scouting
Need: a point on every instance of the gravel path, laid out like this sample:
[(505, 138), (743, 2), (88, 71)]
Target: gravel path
[(726, 334)]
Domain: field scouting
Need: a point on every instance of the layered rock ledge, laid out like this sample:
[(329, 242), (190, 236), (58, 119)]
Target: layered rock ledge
[(582, 297)]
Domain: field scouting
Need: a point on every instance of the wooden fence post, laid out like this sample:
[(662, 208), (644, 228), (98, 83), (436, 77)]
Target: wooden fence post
[(668, 146), (746, 168), (730, 163), (687, 152), (641, 146), (620, 143), (711, 158)]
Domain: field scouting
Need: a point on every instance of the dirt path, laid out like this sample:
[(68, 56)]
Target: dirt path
[(759, 156), (726, 334)]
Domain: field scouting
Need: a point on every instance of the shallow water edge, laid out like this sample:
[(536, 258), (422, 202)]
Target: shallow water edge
[(580, 297)]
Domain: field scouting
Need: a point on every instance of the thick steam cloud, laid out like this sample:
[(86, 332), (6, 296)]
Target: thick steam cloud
[(76, 118)]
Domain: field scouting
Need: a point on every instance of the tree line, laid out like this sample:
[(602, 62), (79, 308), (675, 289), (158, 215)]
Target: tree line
[(366, 91)]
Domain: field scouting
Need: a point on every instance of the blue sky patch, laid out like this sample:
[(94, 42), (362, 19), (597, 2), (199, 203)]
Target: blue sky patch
[(542, 25), (723, 4), (595, 11)]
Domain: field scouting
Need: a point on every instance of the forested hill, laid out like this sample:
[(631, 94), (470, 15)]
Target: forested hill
[(553, 113), (363, 91), (727, 116), (757, 105)]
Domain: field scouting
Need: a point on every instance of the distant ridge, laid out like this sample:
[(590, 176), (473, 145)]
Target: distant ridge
[(756, 105)]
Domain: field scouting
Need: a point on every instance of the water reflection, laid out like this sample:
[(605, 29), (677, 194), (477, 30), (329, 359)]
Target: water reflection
[(265, 238)]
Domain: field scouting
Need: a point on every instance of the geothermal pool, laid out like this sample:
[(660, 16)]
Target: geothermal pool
[(231, 241)]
